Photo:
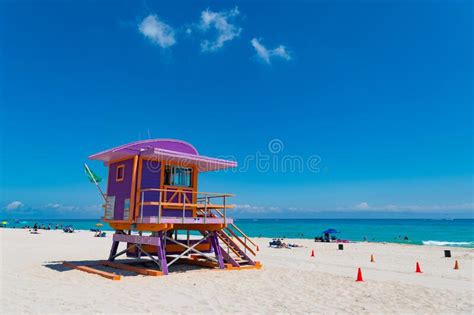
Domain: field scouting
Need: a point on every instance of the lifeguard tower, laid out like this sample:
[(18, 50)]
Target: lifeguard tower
[(153, 204)]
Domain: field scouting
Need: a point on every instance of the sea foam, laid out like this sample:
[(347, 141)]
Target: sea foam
[(444, 243)]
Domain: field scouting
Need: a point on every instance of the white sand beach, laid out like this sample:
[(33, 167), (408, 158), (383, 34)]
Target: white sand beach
[(34, 281)]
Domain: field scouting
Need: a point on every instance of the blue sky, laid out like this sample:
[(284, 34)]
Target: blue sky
[(379, 92)]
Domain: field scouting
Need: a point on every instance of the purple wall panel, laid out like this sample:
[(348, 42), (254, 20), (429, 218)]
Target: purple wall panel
[(176, 213), (121, 190), (151, 177)]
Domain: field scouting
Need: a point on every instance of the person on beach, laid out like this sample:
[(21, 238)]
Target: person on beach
[(326, 237), (295, 245)]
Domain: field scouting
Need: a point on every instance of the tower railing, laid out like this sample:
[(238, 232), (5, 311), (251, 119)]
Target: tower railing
[(209, 208), (185, 200)]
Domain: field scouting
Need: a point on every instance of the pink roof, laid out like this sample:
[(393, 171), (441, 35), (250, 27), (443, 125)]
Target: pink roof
[(165, 149)]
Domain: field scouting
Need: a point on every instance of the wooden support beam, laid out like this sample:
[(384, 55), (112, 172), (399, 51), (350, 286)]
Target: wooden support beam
[(142, 271), (87, 269), (195, 261), (257, 266)]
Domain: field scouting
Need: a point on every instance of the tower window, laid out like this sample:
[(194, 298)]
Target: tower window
[(178, 176), (120, 173)]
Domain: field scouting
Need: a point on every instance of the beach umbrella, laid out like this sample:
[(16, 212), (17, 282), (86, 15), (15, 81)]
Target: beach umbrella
[(330, 231)]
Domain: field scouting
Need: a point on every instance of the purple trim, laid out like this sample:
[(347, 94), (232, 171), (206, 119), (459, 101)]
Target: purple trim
[(217, 249), (162, 253), (137, 239), (167, 144), (165, 149), (187, 220), (229, 258), (204, 163)]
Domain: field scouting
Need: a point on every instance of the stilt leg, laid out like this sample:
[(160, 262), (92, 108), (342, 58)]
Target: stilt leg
[(113, 250), (217, 249), (162, 254), (137, 252)]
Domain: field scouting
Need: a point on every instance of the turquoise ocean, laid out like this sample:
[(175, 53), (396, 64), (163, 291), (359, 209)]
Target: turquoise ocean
[(457, 232)]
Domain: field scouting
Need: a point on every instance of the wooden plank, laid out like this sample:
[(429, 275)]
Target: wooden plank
[(257, 266), (142, 271), (202, 263), (87, 269)]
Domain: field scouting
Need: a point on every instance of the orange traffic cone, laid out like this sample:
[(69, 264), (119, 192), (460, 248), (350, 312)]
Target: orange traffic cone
[(312, 253), (456, 265), (372, 258), (418, 269), (359, 276)]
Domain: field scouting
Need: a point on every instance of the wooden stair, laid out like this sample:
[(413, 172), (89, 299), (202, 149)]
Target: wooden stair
[(232, 253)]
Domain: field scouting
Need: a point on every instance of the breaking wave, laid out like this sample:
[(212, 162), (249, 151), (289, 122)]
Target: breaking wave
[(443, 243)]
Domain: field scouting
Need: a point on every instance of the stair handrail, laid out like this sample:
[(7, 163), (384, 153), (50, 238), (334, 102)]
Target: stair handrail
[(242, 242), (229, 245), (237, 228)]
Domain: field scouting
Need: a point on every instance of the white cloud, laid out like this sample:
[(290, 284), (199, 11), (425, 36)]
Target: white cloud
[(415, 208), (157, 31), (246, 208), (52, 210), (266, 54), (14, 205), (362, 205), (58, 207), (220, 21)]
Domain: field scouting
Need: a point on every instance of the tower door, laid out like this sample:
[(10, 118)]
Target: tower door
[(150, 183)]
